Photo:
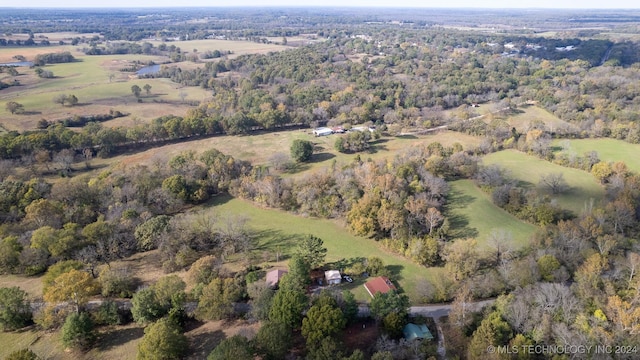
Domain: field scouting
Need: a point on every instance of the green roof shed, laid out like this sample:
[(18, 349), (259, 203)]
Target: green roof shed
[(412, 331)]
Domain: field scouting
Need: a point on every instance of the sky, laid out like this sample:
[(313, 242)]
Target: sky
[(566, 4)]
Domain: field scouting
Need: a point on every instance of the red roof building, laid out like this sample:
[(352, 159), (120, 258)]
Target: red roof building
[(380, 284)]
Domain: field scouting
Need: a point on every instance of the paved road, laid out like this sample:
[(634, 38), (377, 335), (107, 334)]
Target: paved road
[(434, 311), (439, 310)]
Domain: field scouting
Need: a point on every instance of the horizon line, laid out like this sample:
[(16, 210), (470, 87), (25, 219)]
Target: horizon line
[(314, 6)]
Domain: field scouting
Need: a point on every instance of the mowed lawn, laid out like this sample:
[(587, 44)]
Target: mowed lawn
[(278, 231), (473, 215), (608, 150), (583, 187)]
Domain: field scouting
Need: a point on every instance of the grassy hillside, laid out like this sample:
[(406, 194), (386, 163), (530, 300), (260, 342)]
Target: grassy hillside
[(278, 231), (529, 115), (473, 215), (528, 169), (608, 150)]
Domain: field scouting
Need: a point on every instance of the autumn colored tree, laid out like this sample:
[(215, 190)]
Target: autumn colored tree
[(74, 286)]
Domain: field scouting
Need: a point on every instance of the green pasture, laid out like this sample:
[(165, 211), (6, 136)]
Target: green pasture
[(472, 214), (608, 150), (527, 170), (278, 231)]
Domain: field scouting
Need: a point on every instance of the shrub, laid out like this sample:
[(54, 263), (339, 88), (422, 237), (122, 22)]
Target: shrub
[(23, 354), (118, 282), (107, 314)]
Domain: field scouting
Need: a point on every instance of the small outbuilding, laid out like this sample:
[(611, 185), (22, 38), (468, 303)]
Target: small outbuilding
[(413, 331), (380, 284), (332, 277), (274, 276), (322, 131)]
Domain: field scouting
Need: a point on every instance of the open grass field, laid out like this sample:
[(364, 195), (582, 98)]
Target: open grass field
[(89, 79), (237, 47), (7, 53), (277, 231), (528, 115), (528, 169), (473, 215), (259, 147), (608, 150)]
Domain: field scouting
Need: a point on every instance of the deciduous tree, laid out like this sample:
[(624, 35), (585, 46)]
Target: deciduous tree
[(135, 90), (73, 286), (14, 107), (216, 301)]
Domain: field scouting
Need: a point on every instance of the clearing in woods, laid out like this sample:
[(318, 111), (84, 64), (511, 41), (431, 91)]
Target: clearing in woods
[(608, 150), (472, 214), (527, 169)]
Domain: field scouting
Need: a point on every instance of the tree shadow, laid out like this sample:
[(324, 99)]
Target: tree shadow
[(318, 158), (408, 136), (217, 200), (271, 239), (346, 263), (459, 223), (395, 271), (376, 147), (119, 337), (379, 141), (31, 113), (458, 199), (200, 345)]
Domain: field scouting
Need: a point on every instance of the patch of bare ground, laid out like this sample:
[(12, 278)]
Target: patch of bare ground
[(205, 336), (31, 284), (147, 266), (361, 335)]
